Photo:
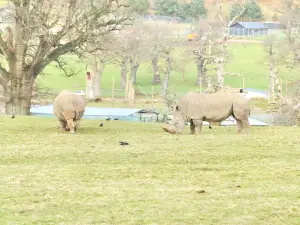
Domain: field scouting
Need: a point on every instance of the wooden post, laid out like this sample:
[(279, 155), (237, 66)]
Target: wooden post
[(152, 96), (127, 86), (269, 101), (273, 90), (200, 85), (113, 91), (286, 89), (281, 87)]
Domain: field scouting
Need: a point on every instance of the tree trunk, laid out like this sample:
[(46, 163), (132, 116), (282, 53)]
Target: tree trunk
[(183, 73), (97, 76), (2, 99), (134, 68), (166, 77), (200, 71), (156, 75), (209, 84), (220, 74), (18, 97), (124, 64), (89, 87), (272, 81)]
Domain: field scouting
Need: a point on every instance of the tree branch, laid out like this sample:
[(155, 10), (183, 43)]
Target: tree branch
[(4, 48), (4, 77)]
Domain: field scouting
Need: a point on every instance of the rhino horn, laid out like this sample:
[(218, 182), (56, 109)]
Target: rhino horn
[(168, 128)]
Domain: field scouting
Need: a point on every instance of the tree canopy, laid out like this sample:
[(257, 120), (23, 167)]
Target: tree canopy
[(194, 9), (252, 10), (139, 6), (41, 31)]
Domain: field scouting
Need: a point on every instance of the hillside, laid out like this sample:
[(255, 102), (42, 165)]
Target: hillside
[(269, 7)]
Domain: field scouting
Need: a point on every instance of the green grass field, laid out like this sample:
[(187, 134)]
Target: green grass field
[(49, 177), (249, 59)]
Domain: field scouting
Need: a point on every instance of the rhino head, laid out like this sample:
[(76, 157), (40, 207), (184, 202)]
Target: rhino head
[(177, 124)]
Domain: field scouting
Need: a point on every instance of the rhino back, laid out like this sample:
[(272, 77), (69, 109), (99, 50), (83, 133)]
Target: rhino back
[(68, 101), (210, 107)]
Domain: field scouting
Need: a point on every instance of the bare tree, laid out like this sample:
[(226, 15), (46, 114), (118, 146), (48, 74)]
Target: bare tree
[(274, 56), (41, 32), (120, 55), (157, 41), (204, 49), (166, 67), (131, 49), (224, 20), (181, 58), (289, 50), (98, 59)]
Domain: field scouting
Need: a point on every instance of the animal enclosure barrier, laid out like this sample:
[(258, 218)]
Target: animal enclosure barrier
[(242, 32)]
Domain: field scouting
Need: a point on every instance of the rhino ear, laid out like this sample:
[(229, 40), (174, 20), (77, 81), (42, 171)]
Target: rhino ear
[(177, 107)]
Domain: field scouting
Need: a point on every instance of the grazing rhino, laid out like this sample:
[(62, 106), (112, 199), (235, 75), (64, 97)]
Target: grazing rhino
[(196, 108), (69, 109)]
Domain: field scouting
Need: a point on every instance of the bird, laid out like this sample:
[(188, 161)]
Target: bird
[(108, 119), (123, 143), (101, 124), (210, 127), (13, 116), (116, 118)]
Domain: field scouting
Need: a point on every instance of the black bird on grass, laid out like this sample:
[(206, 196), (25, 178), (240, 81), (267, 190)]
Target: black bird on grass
[(108, 119), (13, 116), (101, 125), (123, 143)]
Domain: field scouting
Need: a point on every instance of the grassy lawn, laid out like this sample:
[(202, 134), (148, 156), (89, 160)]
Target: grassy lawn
[(249, 59), (48, 177)]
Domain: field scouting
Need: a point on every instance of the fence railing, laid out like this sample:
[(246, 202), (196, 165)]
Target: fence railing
[(169, 18), (234, 31)]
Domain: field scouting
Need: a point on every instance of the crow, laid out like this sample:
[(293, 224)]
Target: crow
[(13, 116), (101, 124), (123, 143)]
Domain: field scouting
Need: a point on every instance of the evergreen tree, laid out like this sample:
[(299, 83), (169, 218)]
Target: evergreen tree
[(253, 11), (196, 9), (167, 7), (139, 6)]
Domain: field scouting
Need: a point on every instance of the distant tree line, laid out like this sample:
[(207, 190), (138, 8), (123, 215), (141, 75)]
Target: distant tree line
[(194, 9)]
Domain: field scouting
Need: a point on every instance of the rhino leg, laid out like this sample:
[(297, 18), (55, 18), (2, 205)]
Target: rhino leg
[(198, 125), (246, 125), (63, 124), (239, 125), (71, 125), (192, 127)]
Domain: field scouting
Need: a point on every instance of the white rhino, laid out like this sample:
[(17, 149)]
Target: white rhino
[(69, 108), (196, 108)]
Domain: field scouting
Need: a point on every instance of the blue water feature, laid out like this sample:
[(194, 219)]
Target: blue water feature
[(92, 113)]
